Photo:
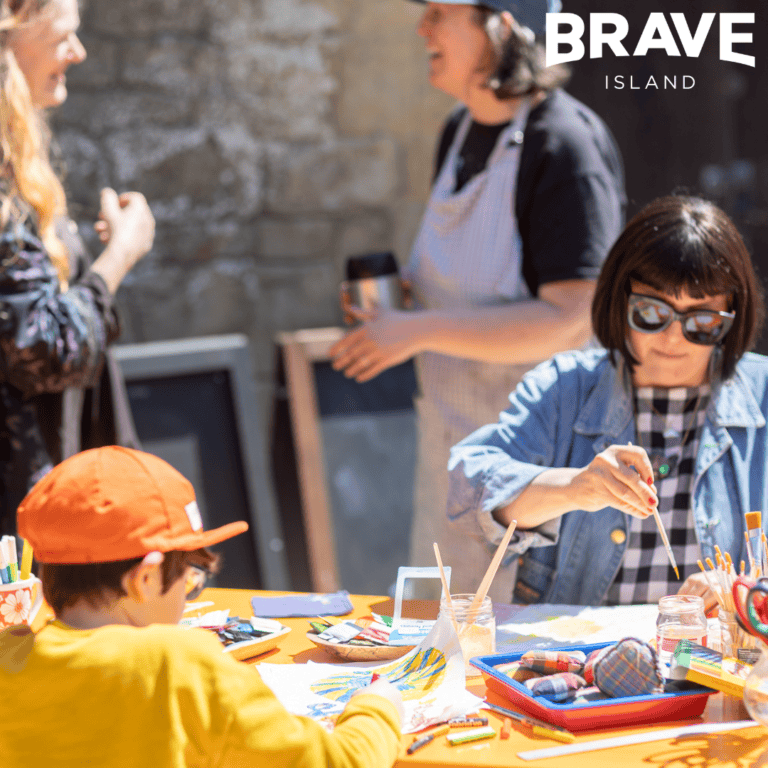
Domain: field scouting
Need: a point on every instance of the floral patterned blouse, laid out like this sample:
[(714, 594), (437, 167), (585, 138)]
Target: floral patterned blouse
[(51, 341)]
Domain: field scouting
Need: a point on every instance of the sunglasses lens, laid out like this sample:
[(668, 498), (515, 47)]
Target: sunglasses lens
[(704, 328), (649, 316)]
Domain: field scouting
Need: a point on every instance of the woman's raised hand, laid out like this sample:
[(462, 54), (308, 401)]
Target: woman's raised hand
[(126, 226), (127, 220), (620, 477)]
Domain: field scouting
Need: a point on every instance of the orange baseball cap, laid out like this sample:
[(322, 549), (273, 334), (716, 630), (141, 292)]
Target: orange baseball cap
[(114, 503)]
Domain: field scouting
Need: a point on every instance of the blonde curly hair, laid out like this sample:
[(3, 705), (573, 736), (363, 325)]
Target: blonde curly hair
[(30, 182)]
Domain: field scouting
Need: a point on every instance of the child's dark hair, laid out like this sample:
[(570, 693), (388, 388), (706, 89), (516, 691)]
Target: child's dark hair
[(97, 583)]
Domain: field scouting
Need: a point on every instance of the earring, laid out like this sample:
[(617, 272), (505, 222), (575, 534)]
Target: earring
[(715, 369)]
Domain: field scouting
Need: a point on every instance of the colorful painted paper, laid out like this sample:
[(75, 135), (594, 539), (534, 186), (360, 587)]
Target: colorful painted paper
[(430, 678)]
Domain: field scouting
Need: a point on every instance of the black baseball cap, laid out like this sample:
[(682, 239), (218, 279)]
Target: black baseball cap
[(527, 13)]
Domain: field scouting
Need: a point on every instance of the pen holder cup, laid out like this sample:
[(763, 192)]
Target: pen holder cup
[(477, 634), (732, 637), (16, 603)]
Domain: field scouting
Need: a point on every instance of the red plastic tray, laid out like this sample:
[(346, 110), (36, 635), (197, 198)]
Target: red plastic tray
[(592, 715)]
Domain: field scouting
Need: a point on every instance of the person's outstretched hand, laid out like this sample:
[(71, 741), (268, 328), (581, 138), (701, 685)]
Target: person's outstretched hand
[(386, 338)]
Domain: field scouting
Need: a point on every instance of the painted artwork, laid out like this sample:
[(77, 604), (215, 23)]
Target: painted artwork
[(430, 678)]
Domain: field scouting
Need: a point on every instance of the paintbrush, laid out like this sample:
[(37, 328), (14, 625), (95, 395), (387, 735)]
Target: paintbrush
[(663, 535), (485, 584), (664, 538), (754, 525), (539, 727), (446, 591)]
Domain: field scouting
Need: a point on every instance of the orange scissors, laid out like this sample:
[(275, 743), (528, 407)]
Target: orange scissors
[(752, 607)]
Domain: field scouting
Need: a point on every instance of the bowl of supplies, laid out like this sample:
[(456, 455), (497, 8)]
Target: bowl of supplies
[(364, 639)]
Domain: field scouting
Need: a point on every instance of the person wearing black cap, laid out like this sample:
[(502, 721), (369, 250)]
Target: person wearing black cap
[(527, 199)]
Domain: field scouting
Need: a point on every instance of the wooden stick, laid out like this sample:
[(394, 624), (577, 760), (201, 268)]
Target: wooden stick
[(765, 550), (713, 588), (447, 591), (485, 584)]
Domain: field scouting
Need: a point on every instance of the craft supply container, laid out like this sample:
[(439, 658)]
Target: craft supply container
[(477, 634), (733, 638), (681, 617)]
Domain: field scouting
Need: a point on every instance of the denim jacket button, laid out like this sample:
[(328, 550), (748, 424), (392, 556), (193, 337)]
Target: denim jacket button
[(618, 536)]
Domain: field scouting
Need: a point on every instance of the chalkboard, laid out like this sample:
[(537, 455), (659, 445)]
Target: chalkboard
[(194, 405), (355, 450)]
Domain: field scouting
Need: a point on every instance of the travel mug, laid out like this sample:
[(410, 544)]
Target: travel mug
[(373, 280)]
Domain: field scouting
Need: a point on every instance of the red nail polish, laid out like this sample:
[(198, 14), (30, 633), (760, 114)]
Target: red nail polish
[(649, 481), (652, 502)]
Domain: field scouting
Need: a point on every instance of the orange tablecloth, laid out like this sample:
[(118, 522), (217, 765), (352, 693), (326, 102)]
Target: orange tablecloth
[(737, 749)]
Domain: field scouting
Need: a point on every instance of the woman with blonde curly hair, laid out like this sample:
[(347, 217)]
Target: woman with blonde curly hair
[(57, 313)]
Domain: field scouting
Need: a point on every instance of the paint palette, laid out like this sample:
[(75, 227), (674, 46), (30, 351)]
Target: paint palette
[(246, 638), (687, 702)]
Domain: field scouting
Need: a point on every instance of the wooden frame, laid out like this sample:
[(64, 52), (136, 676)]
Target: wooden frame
[(301, 349), (230, 353)]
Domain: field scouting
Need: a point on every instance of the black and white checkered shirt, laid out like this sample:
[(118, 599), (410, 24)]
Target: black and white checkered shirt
[(665, 417)]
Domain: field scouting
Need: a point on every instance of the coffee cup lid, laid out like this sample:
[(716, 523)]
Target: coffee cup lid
[(371, 265)]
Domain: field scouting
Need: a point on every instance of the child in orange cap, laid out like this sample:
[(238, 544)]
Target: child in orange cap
[(112, 681)]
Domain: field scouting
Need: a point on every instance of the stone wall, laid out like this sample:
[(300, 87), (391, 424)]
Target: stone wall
[(272, 138)]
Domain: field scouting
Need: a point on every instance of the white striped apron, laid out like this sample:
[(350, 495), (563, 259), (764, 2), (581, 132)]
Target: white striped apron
[(468, 253)]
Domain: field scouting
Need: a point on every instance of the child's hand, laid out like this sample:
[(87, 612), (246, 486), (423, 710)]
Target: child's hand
[(386, 690)]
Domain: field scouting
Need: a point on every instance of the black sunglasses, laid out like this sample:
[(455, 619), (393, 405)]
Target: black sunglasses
[(648, 314), (195, 581)]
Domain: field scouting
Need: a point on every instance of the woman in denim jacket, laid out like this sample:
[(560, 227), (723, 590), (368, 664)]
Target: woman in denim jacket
[(670, 414), (58, 391)]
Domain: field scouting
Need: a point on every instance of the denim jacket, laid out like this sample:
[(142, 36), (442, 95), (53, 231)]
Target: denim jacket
[(565, 412)]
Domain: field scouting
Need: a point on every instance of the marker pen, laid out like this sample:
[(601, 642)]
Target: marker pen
[(26, 561), (13, 558), (4, 575)]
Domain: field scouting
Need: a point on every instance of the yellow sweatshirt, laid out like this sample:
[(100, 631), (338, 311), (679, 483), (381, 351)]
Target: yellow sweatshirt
[(164, 697)]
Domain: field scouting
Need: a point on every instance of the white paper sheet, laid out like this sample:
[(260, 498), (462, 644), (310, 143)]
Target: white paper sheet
[(430, 678), (540, 626)]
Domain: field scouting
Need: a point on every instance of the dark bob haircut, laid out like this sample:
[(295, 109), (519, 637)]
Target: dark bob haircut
[(517, 61), (679, 244)]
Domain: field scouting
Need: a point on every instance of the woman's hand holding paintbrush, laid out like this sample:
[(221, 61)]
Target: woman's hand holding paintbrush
[(616, 478)]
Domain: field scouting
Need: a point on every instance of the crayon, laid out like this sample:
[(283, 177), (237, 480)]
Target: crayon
[(422, 741), (476, 734), (467, 722), (506, 728)]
